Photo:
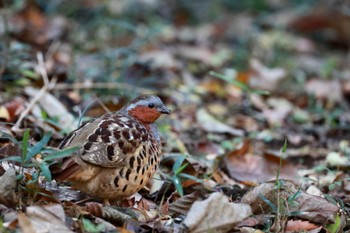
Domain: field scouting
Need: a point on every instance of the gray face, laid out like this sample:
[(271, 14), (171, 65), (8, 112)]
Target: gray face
[(150, 101)]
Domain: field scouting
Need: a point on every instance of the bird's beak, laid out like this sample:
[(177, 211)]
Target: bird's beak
[(164, 110)]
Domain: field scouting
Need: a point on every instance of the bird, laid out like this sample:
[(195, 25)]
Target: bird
[(117, 153)]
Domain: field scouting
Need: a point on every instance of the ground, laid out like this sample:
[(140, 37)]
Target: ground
[(258, 136)]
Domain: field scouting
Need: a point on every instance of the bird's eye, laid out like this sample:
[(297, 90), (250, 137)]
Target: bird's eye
[(151, 105)]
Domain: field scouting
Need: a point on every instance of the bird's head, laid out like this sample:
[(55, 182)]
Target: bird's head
[(146, 108)]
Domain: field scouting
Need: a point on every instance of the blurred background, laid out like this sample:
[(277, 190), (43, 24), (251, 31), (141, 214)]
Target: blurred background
[(259, 69), (231, 71), (241, 78)]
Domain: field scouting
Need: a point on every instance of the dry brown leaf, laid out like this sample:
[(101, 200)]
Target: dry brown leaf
[(48, 219), (4, 113), (8, 185), (215, 213), (245, 122), (106, 212), (25, 223), (112, 214), (254, 168), (94, 208), (14, 108), (255, 220), (305, 206), (212, 125), (299, 225), (263, 77), (241, 150), (30, 24), (8, 149), (325, 19), (183, 204)]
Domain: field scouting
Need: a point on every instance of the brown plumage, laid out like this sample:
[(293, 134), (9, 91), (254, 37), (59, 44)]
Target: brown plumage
[(118, 152)]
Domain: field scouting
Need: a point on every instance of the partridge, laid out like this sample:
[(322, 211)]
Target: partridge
[(117, 153)]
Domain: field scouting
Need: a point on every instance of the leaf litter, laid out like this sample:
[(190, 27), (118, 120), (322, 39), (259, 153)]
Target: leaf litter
[(240, 78)]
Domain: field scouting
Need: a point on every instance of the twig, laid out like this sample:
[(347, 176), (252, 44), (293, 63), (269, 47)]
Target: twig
[(88, 85), (48, 85), (42, 68), (103, 105)]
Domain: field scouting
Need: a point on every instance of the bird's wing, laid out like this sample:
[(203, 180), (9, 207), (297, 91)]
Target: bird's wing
[(107, 141)]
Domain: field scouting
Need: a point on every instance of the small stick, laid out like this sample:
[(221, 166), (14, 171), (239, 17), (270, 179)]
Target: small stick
[(47, 86), (89, 85)]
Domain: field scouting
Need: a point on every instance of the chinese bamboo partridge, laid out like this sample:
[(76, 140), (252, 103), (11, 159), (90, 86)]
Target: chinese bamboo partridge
[(118, 152)]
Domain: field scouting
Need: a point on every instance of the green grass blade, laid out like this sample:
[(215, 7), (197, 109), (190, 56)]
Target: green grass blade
[(261, 92), (284, 148), (267, 201), (12, 158), (8, 136), (179, 160), (180, 169), (177, 182), (45, 171), (292, 198), (85, 110), (190, 177), (234, 82), (25, 144), (38, 146)]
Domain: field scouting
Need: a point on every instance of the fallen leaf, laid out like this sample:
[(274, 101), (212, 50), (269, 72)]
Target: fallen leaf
[(9, 217), (313, 190), (14, 108), (255, 220), (263, 77), (336, 159), (249, 168), (8, 185), (183, 204), (113, 214), (322, 20), (25, 223), (212, 125), (160, 60), (215, 213), (305, 206), (9, 149), (44, 219), (300, 225), (202, 54), (54, 108), (325, 89), (4, 113), (278, 110)]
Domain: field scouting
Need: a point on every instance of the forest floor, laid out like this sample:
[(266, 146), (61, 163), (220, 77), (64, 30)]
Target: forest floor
[(258, 137)]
